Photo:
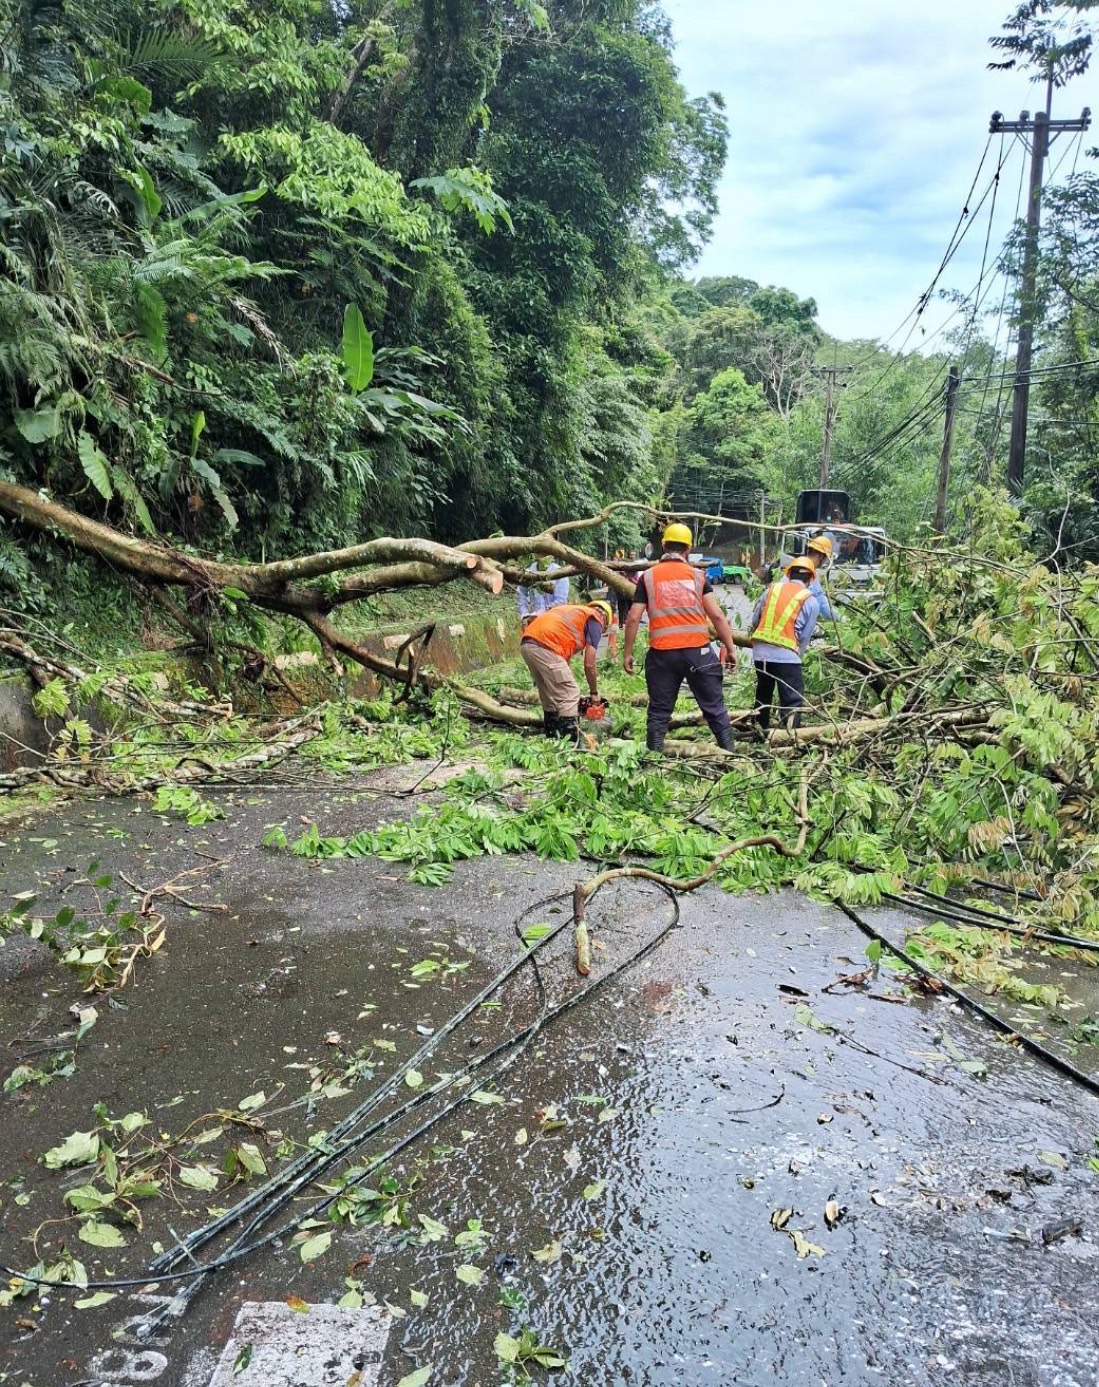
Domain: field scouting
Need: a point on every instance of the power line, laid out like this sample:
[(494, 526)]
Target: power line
[(965, 221), (1039, 370)]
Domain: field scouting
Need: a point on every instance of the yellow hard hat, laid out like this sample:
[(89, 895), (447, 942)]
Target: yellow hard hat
[(604, 610), (677, 534), (820, 544), (799, 568)]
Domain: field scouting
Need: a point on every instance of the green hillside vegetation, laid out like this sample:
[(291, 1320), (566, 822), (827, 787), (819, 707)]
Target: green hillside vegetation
[(281, 278)]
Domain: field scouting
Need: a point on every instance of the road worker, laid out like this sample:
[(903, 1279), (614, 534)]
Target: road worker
[(783, 622), (681, 607), (549, 642), (819, 552)]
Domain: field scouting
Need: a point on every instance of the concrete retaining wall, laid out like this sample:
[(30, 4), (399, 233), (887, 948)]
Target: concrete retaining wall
[(456, 647)]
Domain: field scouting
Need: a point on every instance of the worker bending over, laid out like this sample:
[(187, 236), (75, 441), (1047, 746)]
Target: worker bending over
[(549, 642), (782, 626), (681, 607)]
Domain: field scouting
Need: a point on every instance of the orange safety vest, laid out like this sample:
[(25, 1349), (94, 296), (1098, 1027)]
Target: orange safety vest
[(561, 629), (677, 618), (781, 607)]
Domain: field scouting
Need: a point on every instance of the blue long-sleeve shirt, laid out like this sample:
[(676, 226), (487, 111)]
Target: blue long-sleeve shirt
[(805, 623), (533, 601), (825, 613)]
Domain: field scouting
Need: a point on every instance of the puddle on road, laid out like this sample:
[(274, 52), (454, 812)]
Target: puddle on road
[(696, 1101)]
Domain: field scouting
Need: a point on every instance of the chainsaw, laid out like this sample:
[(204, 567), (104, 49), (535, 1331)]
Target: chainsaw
[(593, 708)]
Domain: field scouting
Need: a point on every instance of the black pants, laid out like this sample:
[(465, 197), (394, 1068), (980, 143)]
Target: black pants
[(665, 671), (789, 677)]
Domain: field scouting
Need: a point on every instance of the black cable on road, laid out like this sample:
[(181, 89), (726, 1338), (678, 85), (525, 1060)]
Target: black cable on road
[(1048, 1057), (515, 1044), (977, 919), (960, 913)]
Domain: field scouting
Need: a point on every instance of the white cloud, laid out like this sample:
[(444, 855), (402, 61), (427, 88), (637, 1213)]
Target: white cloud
[(856, 128)]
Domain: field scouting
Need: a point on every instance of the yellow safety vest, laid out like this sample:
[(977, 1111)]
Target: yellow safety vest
[(781, 606)]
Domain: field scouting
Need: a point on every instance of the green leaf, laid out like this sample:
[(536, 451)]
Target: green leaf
[(198, 426), (243, 1358), (77, 1149), (93, 1301), (358, 350), (507, 1348), (239, 455), (209, 475), (593, 1191), (547, 1358), (480, 1095), (419, 1378), (87, 1199), (434, 1231), (249, 1156), (198, 1177), (808, 1017), (95, 465), (38, 425), (418, 1298), (414, 1079), (147, 200), (873, 950), (470, 1275), (253, 1101), (227, 508), (127, 489), (315, 1247), (130, 90), (470, 190), (203, 469), (100, 1234)]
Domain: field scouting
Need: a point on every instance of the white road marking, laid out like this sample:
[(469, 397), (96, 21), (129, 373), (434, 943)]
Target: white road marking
[(325, 1347)]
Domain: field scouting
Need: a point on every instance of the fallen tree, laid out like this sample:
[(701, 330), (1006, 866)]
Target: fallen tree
[(950, 738), (308, 587)]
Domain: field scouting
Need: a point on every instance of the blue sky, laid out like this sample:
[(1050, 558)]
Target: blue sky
[(856, 128)]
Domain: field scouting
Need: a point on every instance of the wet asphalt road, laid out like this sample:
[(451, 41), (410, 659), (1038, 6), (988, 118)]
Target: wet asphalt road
[(646, 1144)]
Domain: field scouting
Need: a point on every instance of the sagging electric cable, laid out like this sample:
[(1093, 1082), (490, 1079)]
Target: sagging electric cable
[(246, 1240), (510, 1049)]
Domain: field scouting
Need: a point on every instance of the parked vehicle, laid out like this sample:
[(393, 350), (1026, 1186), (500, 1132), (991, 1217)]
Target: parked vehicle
[(715, 567)]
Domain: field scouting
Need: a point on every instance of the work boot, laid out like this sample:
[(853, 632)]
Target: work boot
[(568, 729), (724, 737), (549, 723), (655, 741)]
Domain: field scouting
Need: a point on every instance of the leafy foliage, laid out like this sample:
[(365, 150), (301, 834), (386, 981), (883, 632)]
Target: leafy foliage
[(194, 199)]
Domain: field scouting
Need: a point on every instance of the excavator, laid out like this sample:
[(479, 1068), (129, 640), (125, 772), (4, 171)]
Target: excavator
[(857, 550)]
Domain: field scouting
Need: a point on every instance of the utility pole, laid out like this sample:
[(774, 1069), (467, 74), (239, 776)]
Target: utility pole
[(830, 374), (762, 526), (953, 381), (1042, 131)]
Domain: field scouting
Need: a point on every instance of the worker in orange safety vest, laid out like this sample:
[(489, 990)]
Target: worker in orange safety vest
[(549, 642), (681, 608), (783, 622)]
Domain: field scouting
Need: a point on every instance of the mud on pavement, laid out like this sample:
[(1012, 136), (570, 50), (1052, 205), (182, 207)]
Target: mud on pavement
[(709, 1171)]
